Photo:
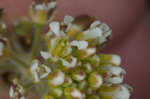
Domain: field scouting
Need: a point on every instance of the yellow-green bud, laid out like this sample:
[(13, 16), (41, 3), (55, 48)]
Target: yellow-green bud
[(73, 93), (56, 78), (95, 80), (110, 59), (114, 92)]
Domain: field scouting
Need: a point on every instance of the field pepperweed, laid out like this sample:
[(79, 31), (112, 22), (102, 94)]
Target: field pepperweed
[(63, 62)]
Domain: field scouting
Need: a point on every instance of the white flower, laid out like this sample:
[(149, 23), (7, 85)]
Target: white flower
[(36, 69), (68, 19), (81, 45), (1, 48), (55, 28)]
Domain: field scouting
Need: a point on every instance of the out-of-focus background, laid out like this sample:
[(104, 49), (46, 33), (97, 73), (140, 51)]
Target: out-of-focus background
[(130, 22)]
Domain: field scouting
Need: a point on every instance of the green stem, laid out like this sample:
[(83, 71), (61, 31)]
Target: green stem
[(18, 61), (37, 39)]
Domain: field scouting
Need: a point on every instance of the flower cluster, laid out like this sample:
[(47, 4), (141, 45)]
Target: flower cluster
[(65, 62), (16, 90), (71, 65)]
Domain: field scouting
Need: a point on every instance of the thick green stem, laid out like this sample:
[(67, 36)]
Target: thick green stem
[(37, 39)]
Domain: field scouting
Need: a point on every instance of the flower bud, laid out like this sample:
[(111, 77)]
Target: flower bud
[(114, 92), (73, 93), (95, 60), (48, 97), (56, 78), (110, 59), (113, 74), (78, 75), (56, 92), (41, 12), (95, 80), (70, 62), (83, 85), (87, 67), (82, 54), (68, 81)]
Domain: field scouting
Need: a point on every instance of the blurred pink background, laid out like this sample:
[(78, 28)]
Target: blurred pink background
[(130, 21)]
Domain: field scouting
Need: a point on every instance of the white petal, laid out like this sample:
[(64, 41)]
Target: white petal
[(80, 44), (62, 33), (90, 51), (68, 19), (47, 71), (39, 7), (34, 71), (104, 27), (69, 26), (45, 55), (99, 81), (95, 24), (11, 92), (115, 80), (116, 59), (102, 39), (123, 93), (79, 77), (114, 70), (92, 33), (52, 5), (69, 64), (1, 48), (55, 28)]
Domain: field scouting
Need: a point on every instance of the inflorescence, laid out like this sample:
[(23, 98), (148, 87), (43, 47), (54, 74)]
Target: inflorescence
[(65, 60)]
